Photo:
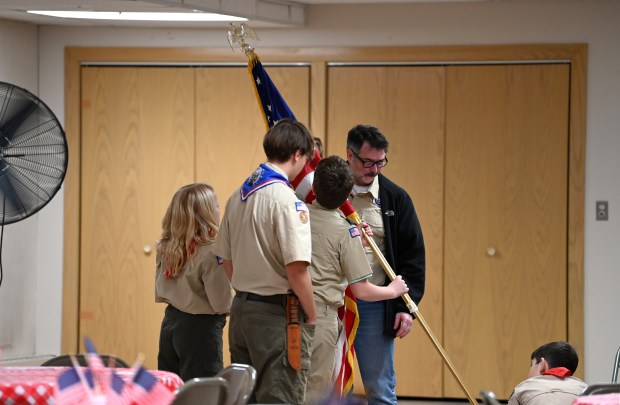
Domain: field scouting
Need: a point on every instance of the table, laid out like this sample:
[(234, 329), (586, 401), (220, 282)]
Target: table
[(599, 399), (36, 385)]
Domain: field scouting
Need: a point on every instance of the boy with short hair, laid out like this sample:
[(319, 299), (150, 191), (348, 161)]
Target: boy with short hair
[(338, 260), (265, 245), (550, 380)]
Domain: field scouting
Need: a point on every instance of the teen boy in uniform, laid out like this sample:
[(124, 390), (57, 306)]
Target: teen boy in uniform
[(265, 243)]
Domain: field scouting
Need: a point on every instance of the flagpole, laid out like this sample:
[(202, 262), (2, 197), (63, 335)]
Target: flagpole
[(413, 308), (82, 378)]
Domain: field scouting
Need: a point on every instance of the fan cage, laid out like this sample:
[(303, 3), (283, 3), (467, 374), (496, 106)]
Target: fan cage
[(33, 154)]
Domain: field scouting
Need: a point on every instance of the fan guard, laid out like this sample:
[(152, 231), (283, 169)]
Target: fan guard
[(33, 154)]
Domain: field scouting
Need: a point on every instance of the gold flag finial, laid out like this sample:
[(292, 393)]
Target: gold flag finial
[(240, 34)]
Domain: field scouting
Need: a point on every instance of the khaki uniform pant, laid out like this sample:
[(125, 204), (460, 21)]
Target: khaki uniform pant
[(323, 359), (257, 336)]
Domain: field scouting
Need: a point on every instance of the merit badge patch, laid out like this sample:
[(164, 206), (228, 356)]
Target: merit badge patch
[(354, 231), (303, 217)]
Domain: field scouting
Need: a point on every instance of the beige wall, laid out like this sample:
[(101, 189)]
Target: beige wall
[(594, 22)]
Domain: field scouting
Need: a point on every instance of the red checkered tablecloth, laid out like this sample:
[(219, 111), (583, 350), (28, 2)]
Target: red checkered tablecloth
[(36, 385)]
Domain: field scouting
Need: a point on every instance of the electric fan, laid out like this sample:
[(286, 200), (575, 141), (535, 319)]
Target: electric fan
[(33, 155)]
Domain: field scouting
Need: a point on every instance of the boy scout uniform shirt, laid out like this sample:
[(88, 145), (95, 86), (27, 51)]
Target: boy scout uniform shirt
[(201, 287), (368, 206), (263, 234), (338, 257), (547, 390)]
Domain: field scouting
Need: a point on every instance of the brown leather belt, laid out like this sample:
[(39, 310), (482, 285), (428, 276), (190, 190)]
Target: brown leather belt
[(278, 299)]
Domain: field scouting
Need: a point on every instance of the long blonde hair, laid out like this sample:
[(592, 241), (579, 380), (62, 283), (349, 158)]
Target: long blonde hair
[(191, 219)]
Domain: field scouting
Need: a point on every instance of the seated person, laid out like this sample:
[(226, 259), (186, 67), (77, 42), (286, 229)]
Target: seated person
[(550, 380)]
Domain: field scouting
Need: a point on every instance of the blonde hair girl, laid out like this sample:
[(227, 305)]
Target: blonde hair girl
[(191, 219), (190, 278)]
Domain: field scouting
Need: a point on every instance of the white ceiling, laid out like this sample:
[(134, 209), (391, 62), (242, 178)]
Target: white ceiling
[(260, 12)]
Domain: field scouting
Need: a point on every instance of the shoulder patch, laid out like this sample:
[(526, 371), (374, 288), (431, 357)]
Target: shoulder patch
[(354, 231), (301, 207)]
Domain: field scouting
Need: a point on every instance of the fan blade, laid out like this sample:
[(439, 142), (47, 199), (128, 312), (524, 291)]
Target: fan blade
[(11, 198), (12, 124)]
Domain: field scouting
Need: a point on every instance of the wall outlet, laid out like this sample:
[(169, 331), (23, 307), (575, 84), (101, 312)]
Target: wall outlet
[(602, 211)]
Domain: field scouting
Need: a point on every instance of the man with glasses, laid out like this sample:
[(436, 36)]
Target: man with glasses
[(389, 211)]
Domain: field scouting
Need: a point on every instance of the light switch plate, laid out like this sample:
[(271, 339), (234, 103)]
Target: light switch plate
[(602, 211)]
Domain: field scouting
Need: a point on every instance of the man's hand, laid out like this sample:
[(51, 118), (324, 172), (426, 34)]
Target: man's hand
[(403, 323)]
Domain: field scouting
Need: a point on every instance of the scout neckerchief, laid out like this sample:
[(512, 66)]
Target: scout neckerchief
[(559, 372), (262, 177)]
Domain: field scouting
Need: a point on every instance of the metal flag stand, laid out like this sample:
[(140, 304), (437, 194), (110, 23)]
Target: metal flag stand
[(240, 34)]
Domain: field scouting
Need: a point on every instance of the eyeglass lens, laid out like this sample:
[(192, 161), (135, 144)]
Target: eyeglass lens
[(370, 163)]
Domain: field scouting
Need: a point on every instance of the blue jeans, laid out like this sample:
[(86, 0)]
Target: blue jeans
[(375, 354)]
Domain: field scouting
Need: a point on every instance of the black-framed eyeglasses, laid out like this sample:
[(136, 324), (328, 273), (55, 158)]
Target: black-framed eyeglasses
[(367, 163)]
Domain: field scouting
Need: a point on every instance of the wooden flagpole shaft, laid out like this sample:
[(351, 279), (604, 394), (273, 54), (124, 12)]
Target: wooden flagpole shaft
[(440, 349), (414, 309)]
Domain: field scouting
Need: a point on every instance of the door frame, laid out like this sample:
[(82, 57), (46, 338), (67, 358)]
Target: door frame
[(318, 58)]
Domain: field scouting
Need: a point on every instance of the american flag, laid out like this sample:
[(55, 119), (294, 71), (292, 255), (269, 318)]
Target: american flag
[(97, 383), (94, 361), (345, 357), (71, 389), (146, 389), (114, 391), (274, 108)]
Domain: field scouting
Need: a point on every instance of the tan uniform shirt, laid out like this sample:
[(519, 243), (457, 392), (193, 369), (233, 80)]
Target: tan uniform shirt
[(547, 390), (200, 288), (366, 203), (338, 257), (262, 235)]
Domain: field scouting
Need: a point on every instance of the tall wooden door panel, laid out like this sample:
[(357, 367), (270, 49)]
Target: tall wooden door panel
[(407, 104), (229, 123), (505, 284), (138, 148)]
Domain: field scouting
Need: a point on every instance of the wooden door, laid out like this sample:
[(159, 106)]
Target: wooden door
[(138, 149), (229, 123), (505, 284), (148, 131), (407, 104)]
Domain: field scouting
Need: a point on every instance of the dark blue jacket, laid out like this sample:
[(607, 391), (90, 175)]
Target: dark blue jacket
[(404, 246)]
